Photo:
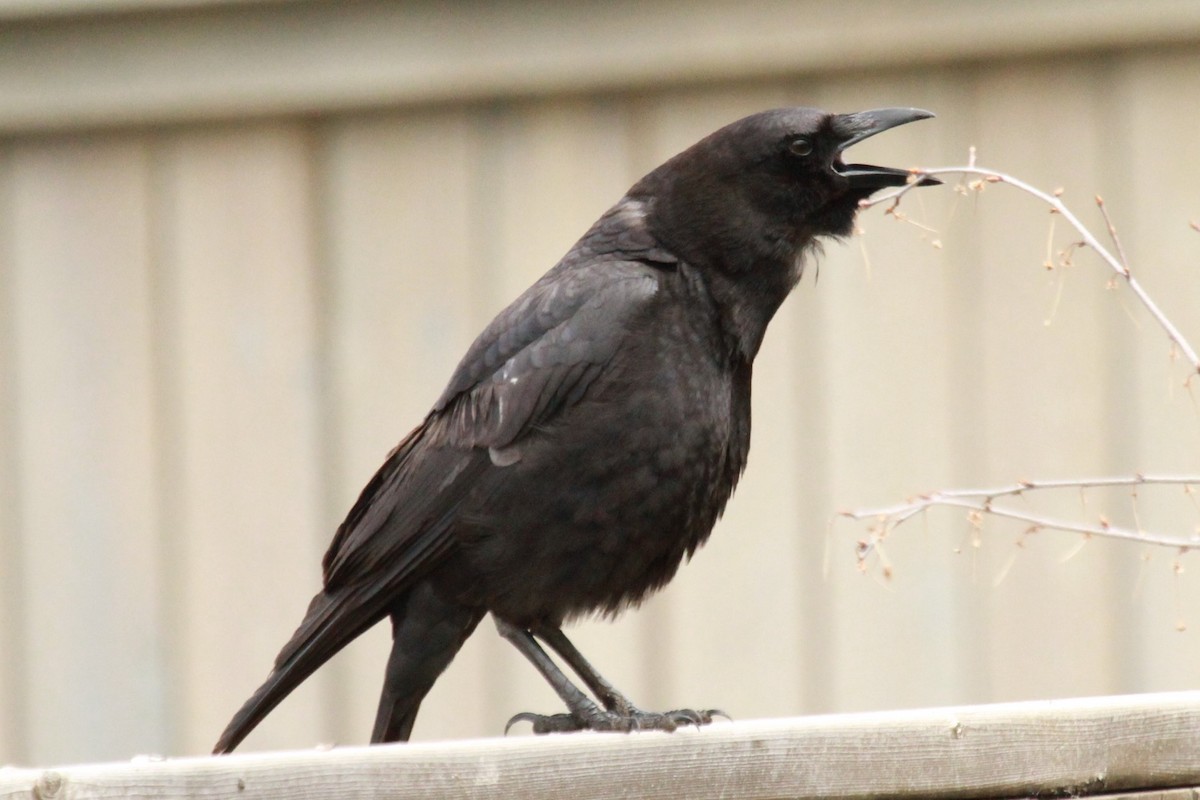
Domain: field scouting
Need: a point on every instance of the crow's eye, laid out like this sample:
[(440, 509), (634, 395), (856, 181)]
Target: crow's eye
[(800, 146)]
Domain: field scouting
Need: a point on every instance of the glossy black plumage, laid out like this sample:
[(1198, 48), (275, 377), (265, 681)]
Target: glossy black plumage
[(592, 434)]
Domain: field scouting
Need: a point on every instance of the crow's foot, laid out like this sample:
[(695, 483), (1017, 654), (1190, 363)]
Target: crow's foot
[(635, 720)]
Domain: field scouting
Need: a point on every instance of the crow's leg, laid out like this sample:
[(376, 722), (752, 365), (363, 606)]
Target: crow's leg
[(427, 632), (619, 713), (614, 700), (584, 712)]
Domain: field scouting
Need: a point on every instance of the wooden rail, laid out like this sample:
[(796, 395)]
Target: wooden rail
[(1129, 746)]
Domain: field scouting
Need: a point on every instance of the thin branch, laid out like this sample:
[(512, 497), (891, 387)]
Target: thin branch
[(1112, 232), (982, 501), (1116, 263)]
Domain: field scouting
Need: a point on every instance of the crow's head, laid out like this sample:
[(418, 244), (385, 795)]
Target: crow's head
[(745, 203), (768, 184)]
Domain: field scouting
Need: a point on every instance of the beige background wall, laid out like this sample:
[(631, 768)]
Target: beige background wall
[(243, 244)]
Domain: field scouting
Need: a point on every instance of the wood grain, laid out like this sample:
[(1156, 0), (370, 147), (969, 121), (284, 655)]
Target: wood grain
[(1078, 747)]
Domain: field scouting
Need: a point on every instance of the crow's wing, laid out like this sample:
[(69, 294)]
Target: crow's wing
[(538, 357), (541, 354)]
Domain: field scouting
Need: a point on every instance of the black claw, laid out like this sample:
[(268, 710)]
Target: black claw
[(548, 723), (524, 716), (697, 717), (686, 716), (635, 720)]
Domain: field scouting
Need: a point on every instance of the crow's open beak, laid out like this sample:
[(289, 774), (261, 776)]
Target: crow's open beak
[(856, 127)]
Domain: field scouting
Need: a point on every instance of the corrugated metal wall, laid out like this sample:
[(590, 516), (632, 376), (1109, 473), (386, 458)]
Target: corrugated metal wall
[(212, 332)]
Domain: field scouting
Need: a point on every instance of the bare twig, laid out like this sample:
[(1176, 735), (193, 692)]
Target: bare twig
[(1112, 232), (1117, 263), (979, 502)]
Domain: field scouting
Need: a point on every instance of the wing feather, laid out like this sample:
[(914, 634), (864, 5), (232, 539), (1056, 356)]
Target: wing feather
[(492, 402), (537, 357)]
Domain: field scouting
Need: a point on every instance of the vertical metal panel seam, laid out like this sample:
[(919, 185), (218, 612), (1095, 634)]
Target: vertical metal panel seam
[(484, 212), (655, 640), (12, 590), (967, 365), (1112, 84), (166, 364), (816, 604), (329, 434), (1113, 171)]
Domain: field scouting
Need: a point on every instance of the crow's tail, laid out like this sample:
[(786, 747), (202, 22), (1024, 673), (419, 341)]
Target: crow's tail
[(331, 623)]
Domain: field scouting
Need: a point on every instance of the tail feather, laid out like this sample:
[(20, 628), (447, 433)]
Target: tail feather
[(330, 624)]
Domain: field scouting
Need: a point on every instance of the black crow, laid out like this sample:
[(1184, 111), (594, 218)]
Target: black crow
[(589, 439)]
